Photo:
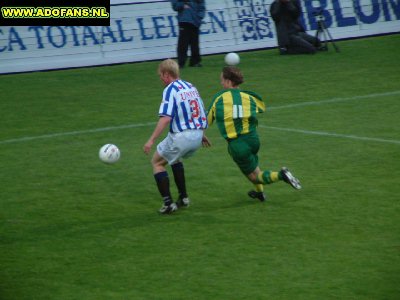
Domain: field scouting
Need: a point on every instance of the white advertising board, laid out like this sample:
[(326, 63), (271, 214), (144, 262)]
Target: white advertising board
[(147, 30)]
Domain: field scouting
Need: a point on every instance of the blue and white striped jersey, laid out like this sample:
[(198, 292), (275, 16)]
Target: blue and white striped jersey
[(182, 102)]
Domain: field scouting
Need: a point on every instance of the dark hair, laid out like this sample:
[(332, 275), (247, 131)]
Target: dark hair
[(233, 74)]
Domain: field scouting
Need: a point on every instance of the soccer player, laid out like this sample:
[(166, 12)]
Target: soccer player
[(234, 111), (182, 110)]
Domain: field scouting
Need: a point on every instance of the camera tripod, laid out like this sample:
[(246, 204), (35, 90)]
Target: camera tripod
[(322, 30)]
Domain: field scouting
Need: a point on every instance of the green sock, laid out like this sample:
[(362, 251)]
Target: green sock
[(268, 177)]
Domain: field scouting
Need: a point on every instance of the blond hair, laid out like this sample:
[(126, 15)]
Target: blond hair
[(169, 66)]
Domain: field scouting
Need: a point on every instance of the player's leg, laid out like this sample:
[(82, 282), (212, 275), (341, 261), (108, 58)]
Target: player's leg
[(186, 144), (162, 181), (258, 192), (164, 155), (254, 177), (289, 178), (254, 145), (264, 177), (268, 177), (180, 181), (242, 152)]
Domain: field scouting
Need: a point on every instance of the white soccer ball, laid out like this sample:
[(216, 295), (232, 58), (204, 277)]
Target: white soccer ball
[(109, 154), (232, 59)]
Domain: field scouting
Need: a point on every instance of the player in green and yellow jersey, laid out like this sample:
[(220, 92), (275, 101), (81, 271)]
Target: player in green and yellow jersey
[(234, 111)]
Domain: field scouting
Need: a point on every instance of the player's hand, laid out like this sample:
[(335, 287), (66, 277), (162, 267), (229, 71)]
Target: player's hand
[(205, 142), (147, 146)]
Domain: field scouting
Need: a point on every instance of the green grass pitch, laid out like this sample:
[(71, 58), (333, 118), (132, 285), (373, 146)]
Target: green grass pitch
[(75, 228)]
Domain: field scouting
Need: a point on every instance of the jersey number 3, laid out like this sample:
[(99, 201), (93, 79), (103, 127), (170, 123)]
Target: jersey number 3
[(194, 108)]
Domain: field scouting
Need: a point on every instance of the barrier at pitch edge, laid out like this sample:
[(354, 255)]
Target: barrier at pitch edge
[(139, 32)]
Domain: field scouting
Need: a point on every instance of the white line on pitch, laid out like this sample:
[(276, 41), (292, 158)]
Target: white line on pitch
[(335, 100), (353, 137), (308, 103), (53, 135)]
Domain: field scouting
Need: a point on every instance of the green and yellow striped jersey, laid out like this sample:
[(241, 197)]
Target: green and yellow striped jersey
[(235, 111)]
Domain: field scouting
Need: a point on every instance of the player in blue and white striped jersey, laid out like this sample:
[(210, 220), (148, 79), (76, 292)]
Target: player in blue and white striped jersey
[(182, 102), (181, 109)]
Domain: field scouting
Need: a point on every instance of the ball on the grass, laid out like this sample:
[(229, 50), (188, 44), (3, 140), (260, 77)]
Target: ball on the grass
[(109, 153)]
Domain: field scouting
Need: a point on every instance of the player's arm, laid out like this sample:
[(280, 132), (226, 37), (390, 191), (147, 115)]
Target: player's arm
[(260, 105), (211, 115), (163, 122), (257, 100)]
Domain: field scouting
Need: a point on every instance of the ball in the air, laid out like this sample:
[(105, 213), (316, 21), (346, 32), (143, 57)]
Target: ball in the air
[(232, 59), (109, 154)]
